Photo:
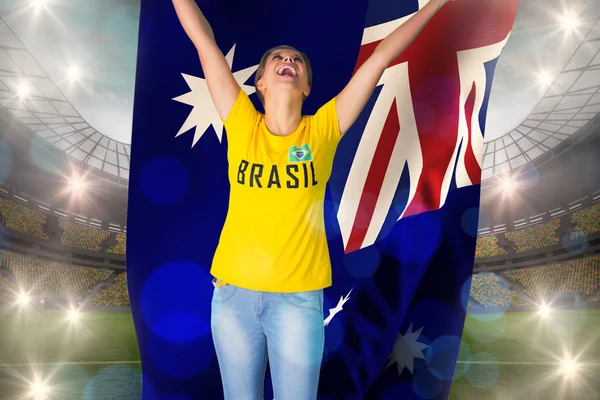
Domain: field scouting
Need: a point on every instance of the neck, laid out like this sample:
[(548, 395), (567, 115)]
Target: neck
[(283, 115)]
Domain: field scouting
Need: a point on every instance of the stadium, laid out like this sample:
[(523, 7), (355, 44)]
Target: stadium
[(533, 311)]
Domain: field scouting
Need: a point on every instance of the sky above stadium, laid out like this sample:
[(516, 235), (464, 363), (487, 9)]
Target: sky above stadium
[(100, 37)]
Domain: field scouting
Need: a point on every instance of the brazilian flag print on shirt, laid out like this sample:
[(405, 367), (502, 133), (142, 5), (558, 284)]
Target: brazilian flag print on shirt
[(300, 154)]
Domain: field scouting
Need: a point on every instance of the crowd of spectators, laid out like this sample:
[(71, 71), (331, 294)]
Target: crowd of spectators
[(535, 237), (82, 236), (116, 295), (40, 276), (22, 219), (7, 290), (487, 246), (575, 276), (36, 276), (586, 221), (118, 248), (490, 290)]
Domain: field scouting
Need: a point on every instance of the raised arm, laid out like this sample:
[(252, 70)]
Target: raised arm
[(222, 86), (351, 101)]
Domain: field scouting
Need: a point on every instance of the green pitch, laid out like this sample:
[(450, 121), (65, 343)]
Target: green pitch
[(512, 356)]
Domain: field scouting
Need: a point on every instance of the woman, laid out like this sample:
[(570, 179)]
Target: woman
[(272, 261)]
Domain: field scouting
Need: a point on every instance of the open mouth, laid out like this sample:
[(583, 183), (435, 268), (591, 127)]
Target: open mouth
[(287, 70)]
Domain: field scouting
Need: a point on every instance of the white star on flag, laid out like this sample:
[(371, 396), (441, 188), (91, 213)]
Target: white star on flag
[(204, 112), (406, 349), (337, 309)]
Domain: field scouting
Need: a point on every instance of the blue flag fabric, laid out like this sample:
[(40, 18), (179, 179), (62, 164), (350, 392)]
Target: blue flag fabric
[(402, 206), (405, 189)]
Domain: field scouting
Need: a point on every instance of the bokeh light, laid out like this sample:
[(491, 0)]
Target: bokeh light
[(441, 356), (426, 385), (177, 318), (484, 370), (487, 327)]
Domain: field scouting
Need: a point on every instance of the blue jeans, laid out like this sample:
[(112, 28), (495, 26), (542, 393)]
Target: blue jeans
[(249, 327)]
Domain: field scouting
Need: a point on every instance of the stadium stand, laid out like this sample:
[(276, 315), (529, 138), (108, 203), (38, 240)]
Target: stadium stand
[(587, 221), (501, 289), (33, 222), (7, 288), (115, 295), (576, 276), (37, 276), (535, 237), (118, 248), (490, 290), (82, 236), (487, 246), (22, 219)]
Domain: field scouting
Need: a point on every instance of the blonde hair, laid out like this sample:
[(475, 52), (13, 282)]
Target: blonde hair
[(263, 62)]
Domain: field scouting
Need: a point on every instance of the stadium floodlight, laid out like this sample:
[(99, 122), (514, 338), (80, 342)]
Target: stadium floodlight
[(38, 4), (73, 315), (544, 78), (569, 367), (24, 89), (77, 185), (544, 310), (39, 390), (508, 185), (569, 21), (23, 299), (74, 73)]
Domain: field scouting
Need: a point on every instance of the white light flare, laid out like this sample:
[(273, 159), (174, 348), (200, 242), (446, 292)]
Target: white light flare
[(74, 315), (38, 5), (74, 73), (569, 21), (23, 299), (508, 187), (569, 368), (39, 390), (544, 311), (77, 185), (544, 78), (24, 89)]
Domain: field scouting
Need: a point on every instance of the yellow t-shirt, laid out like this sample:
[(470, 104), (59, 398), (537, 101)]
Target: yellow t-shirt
[(274, 237)]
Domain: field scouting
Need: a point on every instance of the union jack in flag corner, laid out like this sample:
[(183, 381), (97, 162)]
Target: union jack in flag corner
[(402, 205)]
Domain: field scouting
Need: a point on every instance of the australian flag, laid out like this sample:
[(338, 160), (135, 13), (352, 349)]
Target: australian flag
[(402, 203)]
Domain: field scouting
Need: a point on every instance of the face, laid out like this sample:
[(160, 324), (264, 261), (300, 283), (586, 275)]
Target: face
[(285, 70)]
